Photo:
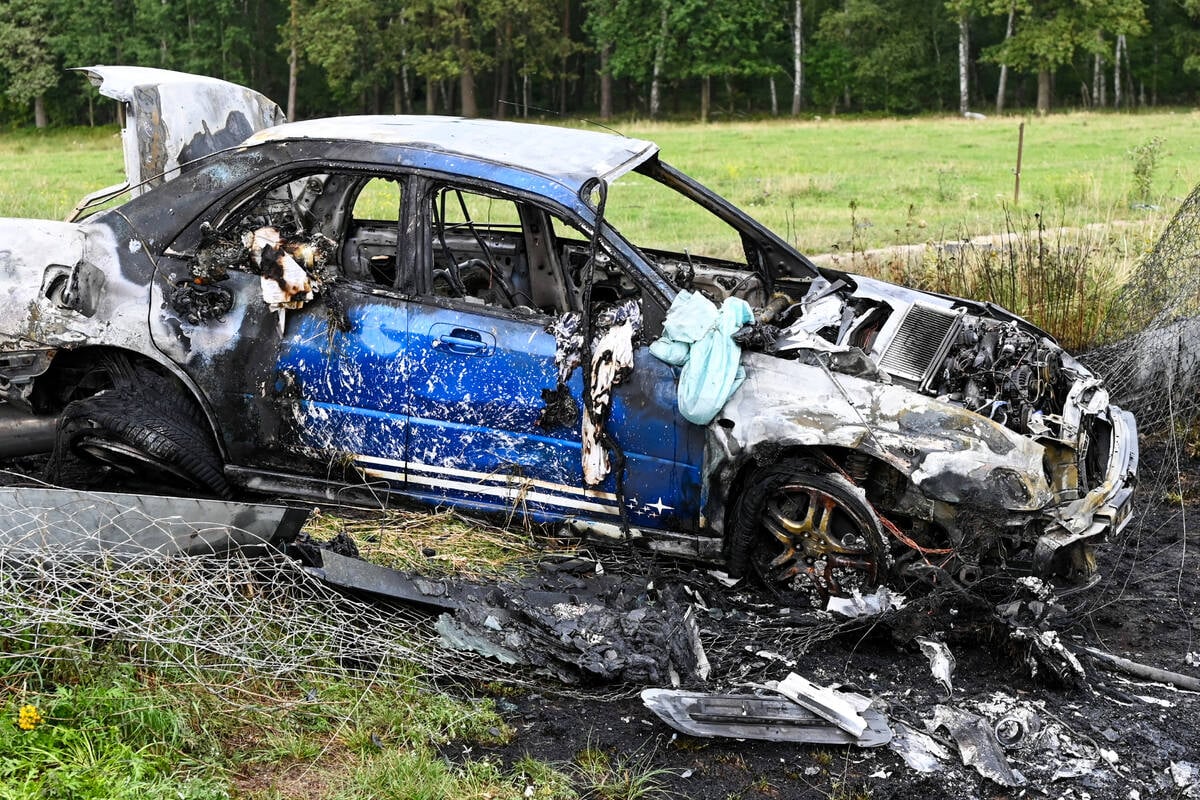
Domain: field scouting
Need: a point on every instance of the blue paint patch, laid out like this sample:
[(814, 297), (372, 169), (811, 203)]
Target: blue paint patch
[(445, 405)]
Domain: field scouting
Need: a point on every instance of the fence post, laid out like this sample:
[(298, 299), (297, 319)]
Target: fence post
[(1017, 171)]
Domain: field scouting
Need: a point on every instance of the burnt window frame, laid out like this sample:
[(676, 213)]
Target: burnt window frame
[(611, 243), (219, 213)]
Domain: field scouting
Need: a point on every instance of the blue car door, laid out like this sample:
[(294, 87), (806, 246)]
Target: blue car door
[(346, 384), (481, 368)]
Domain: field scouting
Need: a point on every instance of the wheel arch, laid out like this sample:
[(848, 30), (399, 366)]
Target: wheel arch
[(835, 457), (59, 384), (811, 551)]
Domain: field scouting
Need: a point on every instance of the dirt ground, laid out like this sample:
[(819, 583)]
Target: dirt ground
[(1111, 737)]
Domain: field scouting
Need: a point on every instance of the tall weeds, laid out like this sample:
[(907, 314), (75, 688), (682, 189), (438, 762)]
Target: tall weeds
[(1063, 279)]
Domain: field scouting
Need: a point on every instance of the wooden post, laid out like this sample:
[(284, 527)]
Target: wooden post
[(1017, 171)]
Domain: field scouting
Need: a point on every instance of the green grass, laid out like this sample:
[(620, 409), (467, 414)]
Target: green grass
[(116, 733), (839, 184), (908, 180), (47, 173), (112, 739)]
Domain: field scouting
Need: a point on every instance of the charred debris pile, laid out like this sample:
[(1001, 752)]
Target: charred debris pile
[(981, 686)]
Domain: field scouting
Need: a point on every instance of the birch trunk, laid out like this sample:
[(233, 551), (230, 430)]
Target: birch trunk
[(606, 107), (964, 58), (797, 61), (1000, 90), (404, 84), (660, 55), (293, 63), (1117, 71)]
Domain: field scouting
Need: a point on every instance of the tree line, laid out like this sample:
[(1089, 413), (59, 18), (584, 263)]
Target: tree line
[(646, 58)]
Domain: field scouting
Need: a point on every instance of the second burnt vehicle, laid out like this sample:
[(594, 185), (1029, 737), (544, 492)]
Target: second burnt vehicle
[(358, 306)]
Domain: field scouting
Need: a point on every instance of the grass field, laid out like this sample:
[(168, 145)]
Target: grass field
[(840, 184), (826, 185)]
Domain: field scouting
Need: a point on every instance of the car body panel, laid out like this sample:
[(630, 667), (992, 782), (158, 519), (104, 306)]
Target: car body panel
[(178, 118), (477, 414), (571, 156)]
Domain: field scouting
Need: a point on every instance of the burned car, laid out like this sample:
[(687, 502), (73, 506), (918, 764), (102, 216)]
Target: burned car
[(446, 309)]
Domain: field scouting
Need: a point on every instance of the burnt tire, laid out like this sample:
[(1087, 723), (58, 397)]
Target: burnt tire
[(806, 531), (146, 428)]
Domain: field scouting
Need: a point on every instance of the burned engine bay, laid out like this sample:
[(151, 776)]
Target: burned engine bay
[(973, 355), (1003, 369), (896, 370)]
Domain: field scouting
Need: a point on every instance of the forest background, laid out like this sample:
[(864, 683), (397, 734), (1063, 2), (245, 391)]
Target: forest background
[(628, 58)]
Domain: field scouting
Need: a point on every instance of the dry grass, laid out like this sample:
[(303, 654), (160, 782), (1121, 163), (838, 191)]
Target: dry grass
[(439, 542), (1064, 279)]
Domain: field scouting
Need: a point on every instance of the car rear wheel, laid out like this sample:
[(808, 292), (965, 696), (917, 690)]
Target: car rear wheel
[(144, 426), (807, 532)]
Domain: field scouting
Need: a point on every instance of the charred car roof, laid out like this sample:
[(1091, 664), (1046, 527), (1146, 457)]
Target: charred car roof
[(571, 156)]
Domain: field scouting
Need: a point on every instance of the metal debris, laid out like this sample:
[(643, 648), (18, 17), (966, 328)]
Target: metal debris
[(866, 605), (569, 621), (977, 744), (354, 574), (920, 751), (1186, 776), (1018, 728), (603, 629), (768, 717), (1047, 657), (836, 707), (941, 661)]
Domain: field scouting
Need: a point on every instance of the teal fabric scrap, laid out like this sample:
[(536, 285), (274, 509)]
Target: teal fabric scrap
[(699, 337)]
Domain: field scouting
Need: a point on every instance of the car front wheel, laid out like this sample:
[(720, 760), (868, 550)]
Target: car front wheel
[(807, 531)]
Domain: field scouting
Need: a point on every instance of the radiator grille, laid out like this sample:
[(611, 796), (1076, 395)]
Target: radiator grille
[(920, 342)]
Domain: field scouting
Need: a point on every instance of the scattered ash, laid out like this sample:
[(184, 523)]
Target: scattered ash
[(1106, 736)]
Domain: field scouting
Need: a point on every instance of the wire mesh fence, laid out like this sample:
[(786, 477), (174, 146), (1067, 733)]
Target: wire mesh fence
[(86, 590), (1151, 362)]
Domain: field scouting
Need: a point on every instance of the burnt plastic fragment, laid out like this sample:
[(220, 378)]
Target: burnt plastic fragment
[(605, 632), (309, 549), (561, 410), (757, 336), (200, 302)]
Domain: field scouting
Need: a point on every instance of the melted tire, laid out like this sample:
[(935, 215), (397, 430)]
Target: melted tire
[(147, 428)]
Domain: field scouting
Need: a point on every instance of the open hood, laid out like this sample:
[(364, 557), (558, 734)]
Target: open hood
[(173, 118)]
